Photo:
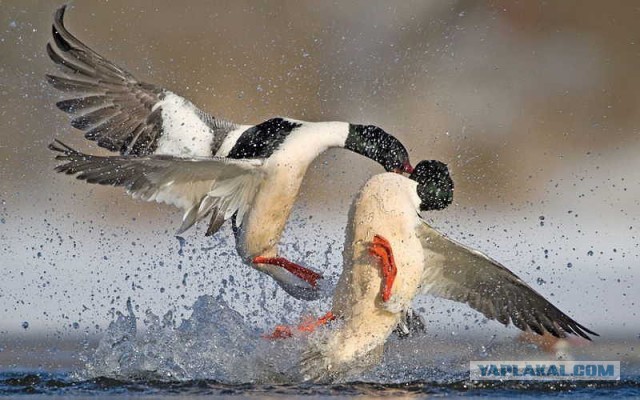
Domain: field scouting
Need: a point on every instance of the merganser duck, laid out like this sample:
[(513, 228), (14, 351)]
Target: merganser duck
[(172, 152), (392, 255)]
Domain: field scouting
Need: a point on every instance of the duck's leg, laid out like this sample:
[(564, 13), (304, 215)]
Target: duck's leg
[(284, 332), (280, 332), (307, 275), (381, 248), (311, 325)]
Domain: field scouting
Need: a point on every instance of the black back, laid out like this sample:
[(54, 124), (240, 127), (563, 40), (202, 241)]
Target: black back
[(262, 140)]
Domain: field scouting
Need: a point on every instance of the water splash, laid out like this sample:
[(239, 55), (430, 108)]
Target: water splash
[(214, 343), (217, 343)]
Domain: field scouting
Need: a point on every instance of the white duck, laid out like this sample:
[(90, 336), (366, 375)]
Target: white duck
[(392, 255), (172, 152)]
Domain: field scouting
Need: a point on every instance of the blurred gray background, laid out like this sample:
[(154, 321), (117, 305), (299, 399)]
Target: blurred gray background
[(533, 104)]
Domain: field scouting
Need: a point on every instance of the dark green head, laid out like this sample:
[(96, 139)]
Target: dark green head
[(376, 144), (435, 186)]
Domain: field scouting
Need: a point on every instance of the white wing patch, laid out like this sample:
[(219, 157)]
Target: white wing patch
[(184, 133)]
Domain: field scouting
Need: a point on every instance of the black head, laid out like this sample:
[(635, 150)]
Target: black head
[(435, 186), (376, 144)]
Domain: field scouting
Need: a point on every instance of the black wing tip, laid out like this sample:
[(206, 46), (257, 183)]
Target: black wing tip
[(50, 52), (60, 147), (584, 332), (52, 79), (561, 332), (569, 325), (56, 145), (58, 25), (564, 325), (55, 81), (59, 15), (67, 105)]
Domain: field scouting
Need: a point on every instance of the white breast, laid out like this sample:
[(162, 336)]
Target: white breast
[(386, 206), (264, 223), (285, 169)]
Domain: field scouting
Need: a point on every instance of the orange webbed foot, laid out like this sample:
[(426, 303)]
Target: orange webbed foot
[(311, 325), (285, 332), (381, 248), (280, 332)]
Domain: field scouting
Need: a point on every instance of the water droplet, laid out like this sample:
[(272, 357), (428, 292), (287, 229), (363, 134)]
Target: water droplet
[(25, 325), (181, 242)]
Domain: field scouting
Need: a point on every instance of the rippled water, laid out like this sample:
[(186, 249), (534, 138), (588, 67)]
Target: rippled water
[(63, 384)]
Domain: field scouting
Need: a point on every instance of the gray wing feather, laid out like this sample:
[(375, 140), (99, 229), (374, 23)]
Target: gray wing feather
[(183, 182), (461, 274), (114, 109)]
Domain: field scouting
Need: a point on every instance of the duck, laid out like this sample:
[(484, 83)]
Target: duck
[(172, 152), (392, 255)]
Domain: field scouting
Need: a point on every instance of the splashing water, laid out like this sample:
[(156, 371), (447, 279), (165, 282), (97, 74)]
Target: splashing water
[(214, 343), (217, 343)]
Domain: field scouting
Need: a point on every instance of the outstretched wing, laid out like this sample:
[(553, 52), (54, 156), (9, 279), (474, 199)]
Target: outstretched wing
[(201, 186), (123, 114), (458, 273)]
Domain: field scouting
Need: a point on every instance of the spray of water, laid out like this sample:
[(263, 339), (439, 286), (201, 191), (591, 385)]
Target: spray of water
[(217, 343)]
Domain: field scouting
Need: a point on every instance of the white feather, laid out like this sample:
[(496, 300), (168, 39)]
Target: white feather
[(184, 134), (235, 195), (383, 207)]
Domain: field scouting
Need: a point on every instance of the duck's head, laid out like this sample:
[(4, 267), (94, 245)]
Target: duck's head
[(374, 143), (435, 186)]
